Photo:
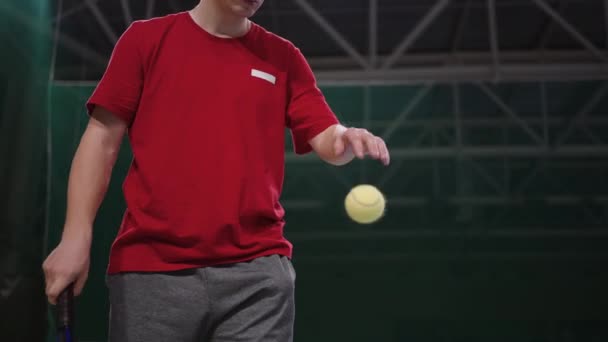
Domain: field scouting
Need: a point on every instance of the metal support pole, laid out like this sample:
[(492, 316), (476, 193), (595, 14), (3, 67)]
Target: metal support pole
[(436, 171), (462, 21), (457, 115), (544, 112), (56, 31), (150, 5), (492, 22), (332, 32), (606, 22), (126, 12), (547, 31), (463, 174), (456, 109), (373, 33), (405, 44), (570, 29), (505, 161)]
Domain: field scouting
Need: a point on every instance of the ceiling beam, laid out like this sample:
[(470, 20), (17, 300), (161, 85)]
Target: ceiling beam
[(416, 32), (571, 29), (460, 74), (555, 72), (332, 32), (447, 58)]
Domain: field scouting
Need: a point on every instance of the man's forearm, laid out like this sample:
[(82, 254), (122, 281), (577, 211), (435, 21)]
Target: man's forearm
[(88, 182)]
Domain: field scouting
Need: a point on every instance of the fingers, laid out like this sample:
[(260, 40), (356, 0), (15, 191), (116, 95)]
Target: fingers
[(357, 145), (371, 142), (339, 146), (364, 143), (383, 150), (49, 279), (356, 139), (68, 263), (54, 288), (58, 277)]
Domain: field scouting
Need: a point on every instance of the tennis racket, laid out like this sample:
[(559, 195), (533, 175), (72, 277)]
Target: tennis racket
[(65, 315)]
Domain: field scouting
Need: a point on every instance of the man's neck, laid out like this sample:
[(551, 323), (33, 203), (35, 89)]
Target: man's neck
[(217, 22)]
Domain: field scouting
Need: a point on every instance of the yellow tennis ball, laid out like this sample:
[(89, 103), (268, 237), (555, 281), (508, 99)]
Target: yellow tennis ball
[(365, 204)]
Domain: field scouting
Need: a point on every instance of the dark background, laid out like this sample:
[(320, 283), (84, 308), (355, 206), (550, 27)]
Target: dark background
[(497, 119)]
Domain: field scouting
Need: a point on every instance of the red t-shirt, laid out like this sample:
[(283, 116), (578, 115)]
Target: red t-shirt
[(207, 117)]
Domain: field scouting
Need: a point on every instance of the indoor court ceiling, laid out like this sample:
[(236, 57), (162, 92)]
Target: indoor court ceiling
[(381, 41)]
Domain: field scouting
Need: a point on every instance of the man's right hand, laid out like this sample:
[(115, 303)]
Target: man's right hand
[(87, 185), (68, 263)]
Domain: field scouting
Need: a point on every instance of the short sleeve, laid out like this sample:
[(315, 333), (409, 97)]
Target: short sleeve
[(120, 87), (308, 113)]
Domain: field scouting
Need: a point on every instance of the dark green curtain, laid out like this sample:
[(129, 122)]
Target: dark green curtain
[(25, 45)]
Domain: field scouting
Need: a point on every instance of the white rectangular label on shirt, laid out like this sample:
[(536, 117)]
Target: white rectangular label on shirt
[(263, 75)]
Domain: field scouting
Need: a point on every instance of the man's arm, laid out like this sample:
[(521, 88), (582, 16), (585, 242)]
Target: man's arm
[(91, 169), (338, 145), (88, 182)]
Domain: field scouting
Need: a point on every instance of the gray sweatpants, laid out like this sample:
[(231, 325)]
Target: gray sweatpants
[(249, 301)]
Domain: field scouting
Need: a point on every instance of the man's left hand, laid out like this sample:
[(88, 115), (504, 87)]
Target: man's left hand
[(361, 142)]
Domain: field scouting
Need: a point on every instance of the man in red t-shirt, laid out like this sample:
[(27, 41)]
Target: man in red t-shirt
[(204, 96)]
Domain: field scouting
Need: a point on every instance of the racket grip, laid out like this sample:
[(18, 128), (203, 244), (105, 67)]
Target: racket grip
[(65, 308)]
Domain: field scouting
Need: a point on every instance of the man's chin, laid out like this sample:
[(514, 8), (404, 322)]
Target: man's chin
[(240, 11), (246, 10)]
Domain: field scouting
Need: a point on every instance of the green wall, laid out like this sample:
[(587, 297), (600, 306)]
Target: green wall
[(436, 271), (24, 56)]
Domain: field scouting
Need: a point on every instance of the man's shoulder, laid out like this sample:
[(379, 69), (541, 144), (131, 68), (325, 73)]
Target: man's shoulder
[(156, 24), (273, 38)]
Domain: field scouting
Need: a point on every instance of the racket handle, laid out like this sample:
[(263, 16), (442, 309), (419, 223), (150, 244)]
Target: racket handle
[(65, 308)]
